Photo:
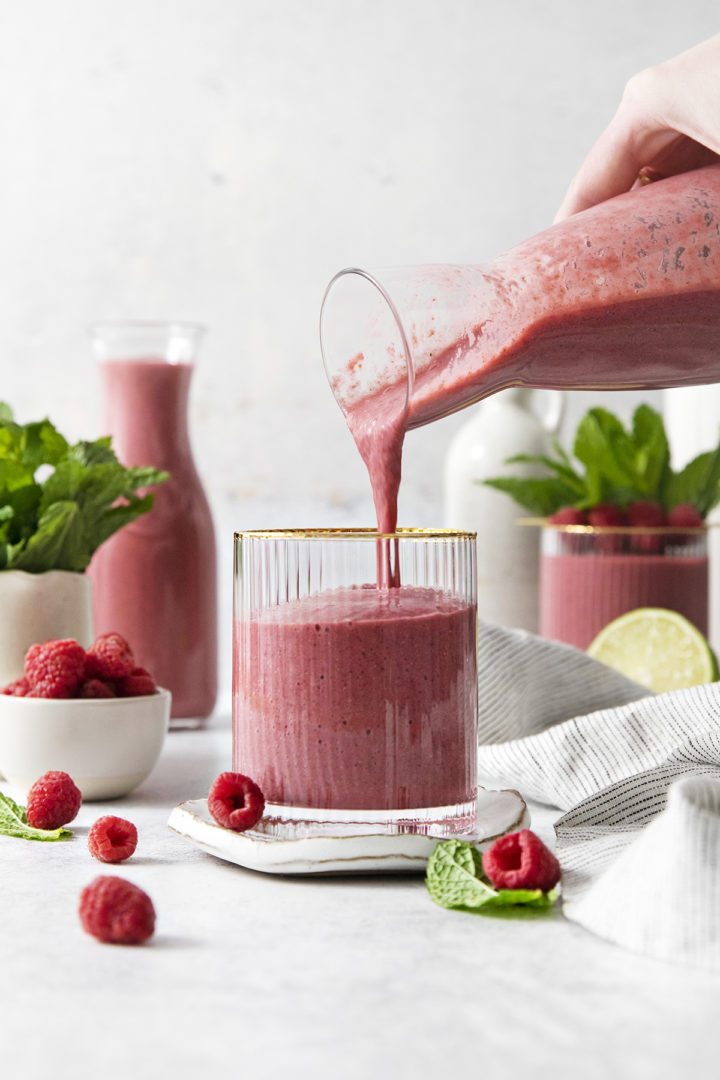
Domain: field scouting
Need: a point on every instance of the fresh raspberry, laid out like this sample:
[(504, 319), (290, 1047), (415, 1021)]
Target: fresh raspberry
[(520, 860), (19, 688), (109, 657), (685, 516), (112, 839), (54, 668), (136, 684), (53, 801), (235, 801), (644, 514), (568, 515), (96, 688), (606, 515), (116, 911)]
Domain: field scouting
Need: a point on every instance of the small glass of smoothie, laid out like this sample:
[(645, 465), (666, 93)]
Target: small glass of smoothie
[(589, 576), (355, 700)]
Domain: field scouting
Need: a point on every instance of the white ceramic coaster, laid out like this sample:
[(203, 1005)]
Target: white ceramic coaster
[(498, 812)]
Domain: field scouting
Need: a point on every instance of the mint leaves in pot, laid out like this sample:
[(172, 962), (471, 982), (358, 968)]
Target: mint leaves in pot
[(617, 466), (60, 502)]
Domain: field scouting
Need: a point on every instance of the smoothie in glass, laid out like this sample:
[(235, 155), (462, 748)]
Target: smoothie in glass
[(360, 699), (353, 702)]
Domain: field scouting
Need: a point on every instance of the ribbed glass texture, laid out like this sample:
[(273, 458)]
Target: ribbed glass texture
[(355, 705)]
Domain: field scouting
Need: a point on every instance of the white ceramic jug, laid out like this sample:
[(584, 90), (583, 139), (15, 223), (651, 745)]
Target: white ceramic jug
[(515, 421)]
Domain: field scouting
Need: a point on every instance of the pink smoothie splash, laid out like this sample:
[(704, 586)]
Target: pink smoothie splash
[(359, 698), (154, 581), (624, 295)]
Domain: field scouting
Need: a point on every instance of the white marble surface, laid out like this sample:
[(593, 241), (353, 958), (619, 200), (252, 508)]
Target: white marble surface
[(346, 978)]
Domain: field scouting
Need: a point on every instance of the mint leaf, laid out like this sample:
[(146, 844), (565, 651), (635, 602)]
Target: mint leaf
[(452, 879), (534, 898), (61, 541), (93, 453), (698, 483), (13, 822), (455, 879), (541, 496), (652, 453)]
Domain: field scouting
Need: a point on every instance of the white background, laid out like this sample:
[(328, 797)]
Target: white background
[(219, 160)]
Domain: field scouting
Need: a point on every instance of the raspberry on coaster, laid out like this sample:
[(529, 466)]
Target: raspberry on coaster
[(112, 839), (235, 801), (521, 861), (117, 912), (53, 801), (55, 668), (109, 657)]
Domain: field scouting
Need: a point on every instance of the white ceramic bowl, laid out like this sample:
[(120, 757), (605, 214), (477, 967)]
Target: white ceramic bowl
[(107, 745)]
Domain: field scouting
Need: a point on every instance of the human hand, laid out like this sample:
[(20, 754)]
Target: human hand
[(668, 122)]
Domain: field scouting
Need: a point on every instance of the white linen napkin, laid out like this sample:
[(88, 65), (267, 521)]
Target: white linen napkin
[(639, 777)]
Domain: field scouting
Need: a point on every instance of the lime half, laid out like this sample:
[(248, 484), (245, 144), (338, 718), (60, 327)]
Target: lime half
[(656, 648)]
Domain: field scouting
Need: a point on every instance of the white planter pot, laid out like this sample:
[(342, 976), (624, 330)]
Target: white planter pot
[(38, 607)]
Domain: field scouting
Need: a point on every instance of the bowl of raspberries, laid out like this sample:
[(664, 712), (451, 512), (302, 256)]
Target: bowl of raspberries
[(95, 714)]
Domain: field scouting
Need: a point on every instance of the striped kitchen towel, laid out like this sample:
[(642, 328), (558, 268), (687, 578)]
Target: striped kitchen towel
[(638, 776)]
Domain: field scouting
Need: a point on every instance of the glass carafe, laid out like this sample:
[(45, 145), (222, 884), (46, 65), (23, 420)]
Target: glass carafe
[(155, 580), (624, 295)]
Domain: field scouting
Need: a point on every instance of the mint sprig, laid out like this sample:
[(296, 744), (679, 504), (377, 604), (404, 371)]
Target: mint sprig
[(60, 502), (615, 465), (455, 879), (13, 822)]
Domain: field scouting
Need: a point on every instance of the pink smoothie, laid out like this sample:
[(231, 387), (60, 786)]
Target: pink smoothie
[(359, 698), (155, 580), (624, 295), (580, 594)]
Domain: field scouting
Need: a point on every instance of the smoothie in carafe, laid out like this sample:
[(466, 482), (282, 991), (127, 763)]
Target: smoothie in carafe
[(154, 582)]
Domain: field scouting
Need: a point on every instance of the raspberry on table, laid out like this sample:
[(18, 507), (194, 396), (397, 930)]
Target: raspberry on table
[(96, 688), (235, 801), (109, 657), (520, 860), (53, 801), (117, 912), (112, 839), (138, 683), (19, 688), (55, 668)]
